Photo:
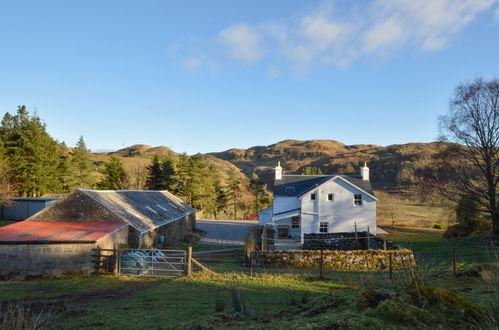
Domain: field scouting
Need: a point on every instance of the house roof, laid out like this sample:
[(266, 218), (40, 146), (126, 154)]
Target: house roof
[(142, 209), (53, 232), (297, 185)]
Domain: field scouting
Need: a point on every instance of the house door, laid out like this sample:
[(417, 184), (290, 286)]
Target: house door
[(283, 231)]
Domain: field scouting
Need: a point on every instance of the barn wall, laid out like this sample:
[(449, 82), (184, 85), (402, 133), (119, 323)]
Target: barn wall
[(76, 207), (172, 232), (112, 240), (46, 260)]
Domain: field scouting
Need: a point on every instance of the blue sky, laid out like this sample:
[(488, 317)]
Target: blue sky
[(203, 76)]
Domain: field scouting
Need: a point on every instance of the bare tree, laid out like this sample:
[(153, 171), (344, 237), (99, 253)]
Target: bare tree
[(472, 165)]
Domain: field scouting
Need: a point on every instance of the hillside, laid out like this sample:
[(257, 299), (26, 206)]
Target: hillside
[(391, 167), (393, 171)]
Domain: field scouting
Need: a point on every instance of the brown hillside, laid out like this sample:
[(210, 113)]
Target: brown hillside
[(391, 166)]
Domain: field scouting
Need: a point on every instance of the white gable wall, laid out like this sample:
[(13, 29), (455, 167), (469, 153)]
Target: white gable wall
[(341, 213)]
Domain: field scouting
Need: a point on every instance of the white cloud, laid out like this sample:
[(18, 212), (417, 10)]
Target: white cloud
[(328, 35), (242, 42), (192, 64), (496, 15)]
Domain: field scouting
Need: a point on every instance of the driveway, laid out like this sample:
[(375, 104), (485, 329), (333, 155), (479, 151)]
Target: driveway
[(224, 232)]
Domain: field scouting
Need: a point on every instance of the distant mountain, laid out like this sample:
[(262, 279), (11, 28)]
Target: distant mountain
[(391, 166)]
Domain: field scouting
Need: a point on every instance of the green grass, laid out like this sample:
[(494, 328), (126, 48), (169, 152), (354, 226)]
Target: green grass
[(277, 298), (436, 252)]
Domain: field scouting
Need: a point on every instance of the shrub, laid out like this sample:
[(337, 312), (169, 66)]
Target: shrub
[(438, 226), (467, 216)]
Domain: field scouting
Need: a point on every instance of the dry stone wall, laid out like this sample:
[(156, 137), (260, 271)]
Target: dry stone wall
[(356, 260)]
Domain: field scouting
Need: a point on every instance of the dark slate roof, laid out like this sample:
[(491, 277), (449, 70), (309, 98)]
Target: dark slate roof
[(142, 209), (304, 183)]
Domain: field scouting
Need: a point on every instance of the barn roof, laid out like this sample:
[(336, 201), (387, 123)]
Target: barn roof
[(297, 185), (54, 232), (142, 209)]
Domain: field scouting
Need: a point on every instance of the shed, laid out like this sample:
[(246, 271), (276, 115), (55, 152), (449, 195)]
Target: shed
[(21, 208), (43, 248), (155, 218)]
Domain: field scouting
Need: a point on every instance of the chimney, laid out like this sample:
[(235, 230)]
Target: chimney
[(364, 172), (278, 171)]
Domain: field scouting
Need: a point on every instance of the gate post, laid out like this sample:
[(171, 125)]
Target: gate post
[(189, 261)]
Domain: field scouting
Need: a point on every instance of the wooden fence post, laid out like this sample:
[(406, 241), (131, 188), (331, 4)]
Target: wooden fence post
[(368, 241), (390, 265), (189, 261), (454, 261), (384, 243), (322, 264), (251, 264)]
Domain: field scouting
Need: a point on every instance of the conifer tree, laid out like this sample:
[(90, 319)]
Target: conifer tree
[(37, 162), (82, 165), (155, 177), (234, 185), (257, 189), (221, 199), (114, 175)]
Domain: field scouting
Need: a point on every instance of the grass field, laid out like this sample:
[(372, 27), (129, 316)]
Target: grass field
[(273, 298)]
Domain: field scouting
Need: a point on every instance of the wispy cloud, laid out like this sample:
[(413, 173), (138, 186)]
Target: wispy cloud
[(242, 42), (339, 36)]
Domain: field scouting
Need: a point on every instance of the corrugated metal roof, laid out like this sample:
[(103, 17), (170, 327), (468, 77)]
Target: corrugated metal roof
[(143, 209), (49, 231)]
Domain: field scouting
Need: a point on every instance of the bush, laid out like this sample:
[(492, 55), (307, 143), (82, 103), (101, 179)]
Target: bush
[(468, 217), (438, 226)]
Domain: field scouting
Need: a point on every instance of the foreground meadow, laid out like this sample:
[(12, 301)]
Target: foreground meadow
[(275, 298)]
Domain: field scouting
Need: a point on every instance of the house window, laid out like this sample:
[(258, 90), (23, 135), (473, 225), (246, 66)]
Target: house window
[(282, 231), (330, 197), (295, 222), (312, 196), (357, 199), (323, 227), (289, 190)]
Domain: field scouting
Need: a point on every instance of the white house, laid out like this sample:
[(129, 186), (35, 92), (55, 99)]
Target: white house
[(305, 204)]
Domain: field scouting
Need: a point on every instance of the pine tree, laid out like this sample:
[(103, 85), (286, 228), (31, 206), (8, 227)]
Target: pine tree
[(221, 199), (234, 185), (155, 177), (114, 175), (168, 171), (257, 189), (37, 162), (82, 165)]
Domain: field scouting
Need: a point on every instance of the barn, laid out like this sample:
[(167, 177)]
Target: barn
[(61, 237), (155, 218)]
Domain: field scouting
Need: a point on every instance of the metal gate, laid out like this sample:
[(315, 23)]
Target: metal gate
[(152, 262)]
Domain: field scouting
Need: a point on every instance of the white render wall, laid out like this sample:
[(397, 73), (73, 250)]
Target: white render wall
[(284, 204), (341, 213)]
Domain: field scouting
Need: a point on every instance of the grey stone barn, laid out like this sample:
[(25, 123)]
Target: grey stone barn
[(154, 218)]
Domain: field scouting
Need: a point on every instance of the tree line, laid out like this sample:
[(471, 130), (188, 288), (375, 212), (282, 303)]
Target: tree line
[(32, 164)]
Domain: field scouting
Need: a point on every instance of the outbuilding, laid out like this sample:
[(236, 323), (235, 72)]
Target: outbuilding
[(155, 218), (21, 208)]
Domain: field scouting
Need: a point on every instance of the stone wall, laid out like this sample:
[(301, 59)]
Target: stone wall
[(356, 260), (20, 261), (172, 232)]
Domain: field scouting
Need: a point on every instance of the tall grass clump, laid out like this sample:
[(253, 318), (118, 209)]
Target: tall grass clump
[(17, 316)]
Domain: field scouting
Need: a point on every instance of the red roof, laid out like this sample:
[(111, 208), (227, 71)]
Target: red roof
[(50, 231)]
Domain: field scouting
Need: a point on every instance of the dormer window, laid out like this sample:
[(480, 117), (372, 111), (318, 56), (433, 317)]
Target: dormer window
[(289, 190), (357, 199), (312, 196)]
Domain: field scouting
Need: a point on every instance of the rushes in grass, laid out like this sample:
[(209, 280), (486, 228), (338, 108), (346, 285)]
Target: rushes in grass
[(239, 303), (220, 305), (16, 315)]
